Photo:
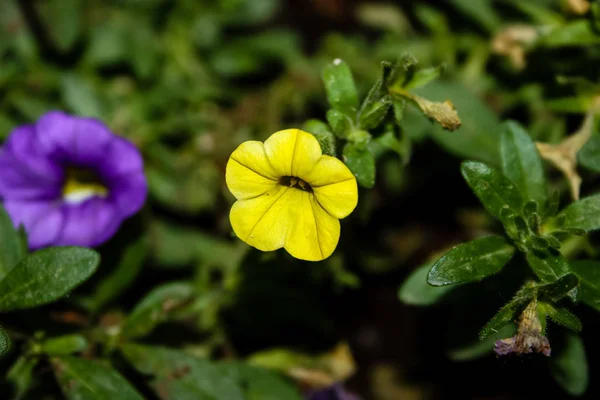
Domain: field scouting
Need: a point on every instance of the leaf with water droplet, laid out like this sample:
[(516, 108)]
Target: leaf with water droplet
[(471, 261), (492, 187)]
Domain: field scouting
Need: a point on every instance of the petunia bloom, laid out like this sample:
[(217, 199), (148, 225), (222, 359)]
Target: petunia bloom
[(289, 195), (69, 180)]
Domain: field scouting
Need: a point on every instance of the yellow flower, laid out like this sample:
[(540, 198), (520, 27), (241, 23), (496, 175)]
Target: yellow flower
[(289, 195)]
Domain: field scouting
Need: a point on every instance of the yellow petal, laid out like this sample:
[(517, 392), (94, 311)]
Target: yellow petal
[(334, 185), (314, 233), (292, 152), (263, 221), (248, 173), (286, 217)]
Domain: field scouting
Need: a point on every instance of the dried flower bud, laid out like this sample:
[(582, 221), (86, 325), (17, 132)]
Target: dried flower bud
[(529, 338), (512, 41)]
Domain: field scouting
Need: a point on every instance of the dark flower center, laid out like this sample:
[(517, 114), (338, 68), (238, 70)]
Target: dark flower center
[(81, 184), (293, 182)]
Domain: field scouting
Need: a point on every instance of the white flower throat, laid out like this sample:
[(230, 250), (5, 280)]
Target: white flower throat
[(82, 184)]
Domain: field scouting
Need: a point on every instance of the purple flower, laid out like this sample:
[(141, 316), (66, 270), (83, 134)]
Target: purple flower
[(69, 180), (335, 392)]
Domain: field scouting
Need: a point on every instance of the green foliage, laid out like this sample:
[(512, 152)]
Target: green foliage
[(4, 342), (549, 266), (361, 163), (341, 91), (20, 375), (589, 155), (480, 348), (569, 366), (126, 271), (416, 291), (45, 276), (582, 214), (64, 345), (521, 162), (181, 375), (155, 307), (11, 248), (508, 313), (588, 272), (561, 316), (86, 379), (471, 261), (559, 288), (495, 191)]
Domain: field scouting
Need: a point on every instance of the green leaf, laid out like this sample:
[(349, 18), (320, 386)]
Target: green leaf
[(46, 276), (154, 308), (4, 342), (481, 11), (362, 164), (62, 19), (64, 345), (250, 12), (11, 249), (424, 76), (589, 155), (495, 191), (82, 379), (471, 261), (588, 272), (521, 162), (175, 184), (340, 123), (389, 141), (339, 84), (372, 115), (569, 366), (20, 375), (259, 383), (123, 275), (80, 96), (561, 316), (583, 214), (508, 312), (108, 43), (416, 291), (548, 266), (178, 375), (175, 246), (559, 288), (574, 34)]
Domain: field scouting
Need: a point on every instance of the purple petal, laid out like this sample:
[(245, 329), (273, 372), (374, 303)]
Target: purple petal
[(18, 182), (129, 193), (90, 223), (76, 140), (42, 220), (121, 158), (25, 172)]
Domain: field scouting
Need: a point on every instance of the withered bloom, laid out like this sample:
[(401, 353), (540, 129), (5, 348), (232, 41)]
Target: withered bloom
[(529, 338)]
